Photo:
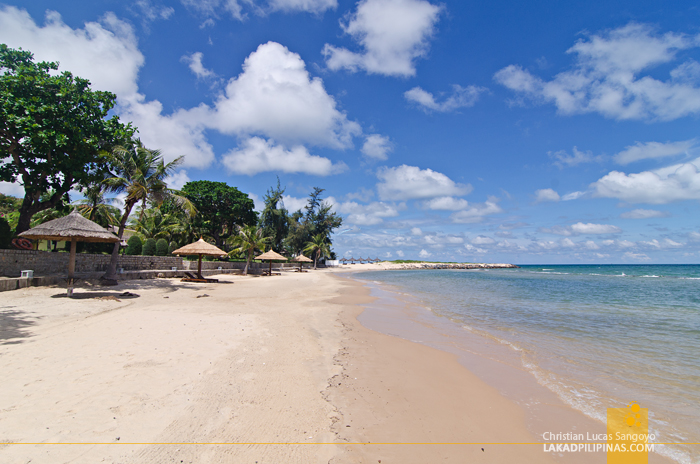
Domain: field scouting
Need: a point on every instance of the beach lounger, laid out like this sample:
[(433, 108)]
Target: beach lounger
[(189, 277)]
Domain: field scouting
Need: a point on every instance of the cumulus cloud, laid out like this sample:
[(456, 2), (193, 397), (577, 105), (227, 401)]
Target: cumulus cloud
[(446, 203), (369, 214), (660, 186), (546, 195), (238, 9), (650, 150), (476, 212), (417, 231), (178, 179), (274, 96), (424, 254), (14, 189), (581, 228), (473, 249), (461, 97), (194, 61), (607, 77), (255, 155), (563, 159), (311, 6), (392, 33), (150, 12), (293, 204), (644, 214), (572, 196), (410, 182), (377, 147), (483, 240)]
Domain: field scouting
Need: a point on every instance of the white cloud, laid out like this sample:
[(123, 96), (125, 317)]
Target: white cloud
[(417, 231), (607, 77), (546, 195), (410, 182), (563, 159), (370, 214), (665, 243), (363, 194), (399, 253), (377, 147), (424, 254), (274, 96), (177, 180), (14, 189), (255, 155), (393, 34), (635, 256), (581, 229), (644, 214), (194, 61), (591, 245), (462, 97), (311, 6), (150, 12), (694, 236), (259, 205), (640, 151), (482, 240), (660, 186), (572, 196), (446, 204), (588, 228), (476, 212), (474, 249), (293, 204)]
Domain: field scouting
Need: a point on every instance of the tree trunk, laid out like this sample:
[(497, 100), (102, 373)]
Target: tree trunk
[(247, 261), (110, 277)]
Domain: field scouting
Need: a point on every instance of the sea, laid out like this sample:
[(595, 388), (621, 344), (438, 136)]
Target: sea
[(598, 336)]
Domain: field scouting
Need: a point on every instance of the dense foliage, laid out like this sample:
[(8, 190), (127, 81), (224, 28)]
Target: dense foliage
[(221, 208), (134, 246), (161, 247), (52, 130), (5, 233), (149, 247)]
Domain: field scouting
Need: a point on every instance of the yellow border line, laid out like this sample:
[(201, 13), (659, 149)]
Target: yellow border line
[(323, 443)]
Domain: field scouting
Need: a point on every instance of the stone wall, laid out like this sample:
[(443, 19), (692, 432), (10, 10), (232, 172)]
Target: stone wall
[(12, 262), (43, 263)]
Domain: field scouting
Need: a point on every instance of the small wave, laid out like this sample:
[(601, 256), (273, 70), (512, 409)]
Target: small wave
[(650, 276)]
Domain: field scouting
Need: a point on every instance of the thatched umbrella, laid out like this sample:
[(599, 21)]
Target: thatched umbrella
[(301, 259), (73, 227), (200, 247), (271, 256)]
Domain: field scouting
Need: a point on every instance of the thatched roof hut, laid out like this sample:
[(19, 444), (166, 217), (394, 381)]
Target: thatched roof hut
[(200, 248), (301, 259), (73, 228), (271, 256)]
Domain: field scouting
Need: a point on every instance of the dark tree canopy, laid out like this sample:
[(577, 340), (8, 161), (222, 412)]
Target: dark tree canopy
[(318, 219), (52, 130), (220, 208), (274, 219)]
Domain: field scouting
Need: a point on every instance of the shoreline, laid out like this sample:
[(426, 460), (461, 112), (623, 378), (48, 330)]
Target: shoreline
[(496, 365)]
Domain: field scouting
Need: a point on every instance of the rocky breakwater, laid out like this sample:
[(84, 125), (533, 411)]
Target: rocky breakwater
[(450, 266)]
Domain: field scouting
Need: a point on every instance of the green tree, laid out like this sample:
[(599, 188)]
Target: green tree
[(274, 219), (9, 209), (95, 206), (318, 247), (52, 129), (149, 247), (140, 173), (221, 208), (246, 242), (134, 246), (161, 247), (317, 219)]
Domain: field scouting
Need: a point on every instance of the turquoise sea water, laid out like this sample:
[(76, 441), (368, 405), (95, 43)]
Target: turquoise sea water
[(597, 335)]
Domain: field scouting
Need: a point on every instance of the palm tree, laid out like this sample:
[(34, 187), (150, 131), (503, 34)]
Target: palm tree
[(246, 241), (318, 246), (140, 173), (96, 207)]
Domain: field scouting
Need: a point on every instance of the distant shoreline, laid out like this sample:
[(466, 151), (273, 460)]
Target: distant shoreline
[(389, 266)]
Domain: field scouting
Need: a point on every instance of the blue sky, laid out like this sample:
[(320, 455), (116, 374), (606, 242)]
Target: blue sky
[(561, 132)]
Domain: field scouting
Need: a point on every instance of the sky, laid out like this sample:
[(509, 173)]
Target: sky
[(502, 131)]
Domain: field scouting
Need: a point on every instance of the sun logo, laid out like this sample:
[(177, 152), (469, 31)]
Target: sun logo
[(633, 417)]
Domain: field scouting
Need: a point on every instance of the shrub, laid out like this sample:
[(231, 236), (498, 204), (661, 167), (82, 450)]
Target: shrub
[(161, 247), (134, 246), (149, 247), (172, 247), (5, 233)]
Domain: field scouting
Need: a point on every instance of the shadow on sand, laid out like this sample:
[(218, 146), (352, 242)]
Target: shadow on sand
[(14, 325)]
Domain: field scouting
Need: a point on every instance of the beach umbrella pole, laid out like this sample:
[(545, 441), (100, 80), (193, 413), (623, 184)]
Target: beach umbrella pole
[(71, 265), (199, 267)]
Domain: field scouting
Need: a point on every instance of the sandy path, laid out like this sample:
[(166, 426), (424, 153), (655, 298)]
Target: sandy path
[(248, 363)]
